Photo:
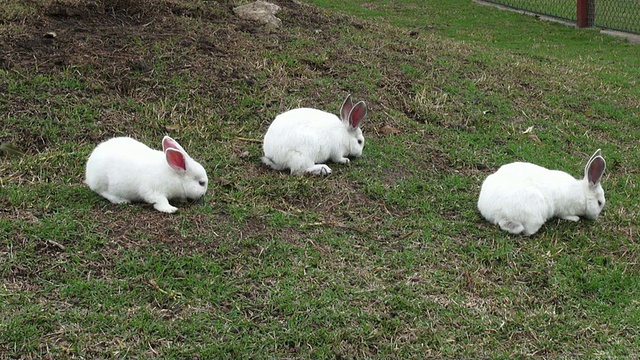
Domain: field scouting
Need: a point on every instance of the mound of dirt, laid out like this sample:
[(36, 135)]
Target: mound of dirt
[(118, 34), (135, 49)]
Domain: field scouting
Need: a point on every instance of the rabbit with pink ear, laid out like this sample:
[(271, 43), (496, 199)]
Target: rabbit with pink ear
[(124, 170), (302, 139), (520, 197)]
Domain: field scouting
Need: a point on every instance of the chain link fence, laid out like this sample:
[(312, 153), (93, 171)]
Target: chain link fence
[(623, 15), (618, 15)]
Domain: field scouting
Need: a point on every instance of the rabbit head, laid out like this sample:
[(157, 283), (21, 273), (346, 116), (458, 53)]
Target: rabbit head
[(191, 179), (351, 116)]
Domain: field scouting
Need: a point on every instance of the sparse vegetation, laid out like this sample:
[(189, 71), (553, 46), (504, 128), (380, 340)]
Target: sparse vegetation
[(386, 258)]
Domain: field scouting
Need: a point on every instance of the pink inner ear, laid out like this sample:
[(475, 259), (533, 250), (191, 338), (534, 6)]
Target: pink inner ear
[(169, 143), (176, 159), (596, 169), (347, 105), (357, 114)]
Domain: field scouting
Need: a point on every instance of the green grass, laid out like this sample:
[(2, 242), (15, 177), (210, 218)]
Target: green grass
[(385, 258)]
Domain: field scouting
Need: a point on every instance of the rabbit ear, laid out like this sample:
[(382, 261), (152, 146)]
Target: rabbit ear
[(595, 154), (169, 143), (357, 114), (345, 109), (595, 168), (176, 159)]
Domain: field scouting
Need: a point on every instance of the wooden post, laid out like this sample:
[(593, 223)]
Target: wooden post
[(582, 12)]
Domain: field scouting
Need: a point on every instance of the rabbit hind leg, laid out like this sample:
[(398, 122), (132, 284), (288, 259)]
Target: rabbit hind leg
[(300, 163), (319, 169), (511, 226)]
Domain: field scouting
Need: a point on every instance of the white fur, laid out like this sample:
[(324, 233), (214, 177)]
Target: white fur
[(303, 139), (520, 197), (123, 170)]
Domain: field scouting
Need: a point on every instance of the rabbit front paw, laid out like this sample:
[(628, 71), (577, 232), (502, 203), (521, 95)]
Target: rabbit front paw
[(164, 206), (319, 169), (344, 160), (571, 218)]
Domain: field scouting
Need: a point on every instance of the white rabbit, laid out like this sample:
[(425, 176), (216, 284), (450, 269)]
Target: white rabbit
[(520, 196), (302, 139), (123, 170)]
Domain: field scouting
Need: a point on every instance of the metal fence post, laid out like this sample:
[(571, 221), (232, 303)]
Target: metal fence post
[(585, 11), (582, 9)]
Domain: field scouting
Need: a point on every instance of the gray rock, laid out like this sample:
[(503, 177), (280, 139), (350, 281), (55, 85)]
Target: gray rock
[(261, 11)]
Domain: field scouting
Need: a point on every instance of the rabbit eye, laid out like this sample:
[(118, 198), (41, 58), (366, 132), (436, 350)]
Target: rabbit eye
[(599, 203), (359, 142), (202, 183)]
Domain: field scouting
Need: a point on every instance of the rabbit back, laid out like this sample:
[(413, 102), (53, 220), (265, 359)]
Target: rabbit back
[(116, 169), (521, 197)]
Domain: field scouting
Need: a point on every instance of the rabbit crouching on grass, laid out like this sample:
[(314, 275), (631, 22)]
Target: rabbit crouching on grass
[(520, 197), (302, 139), (124, 170)]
